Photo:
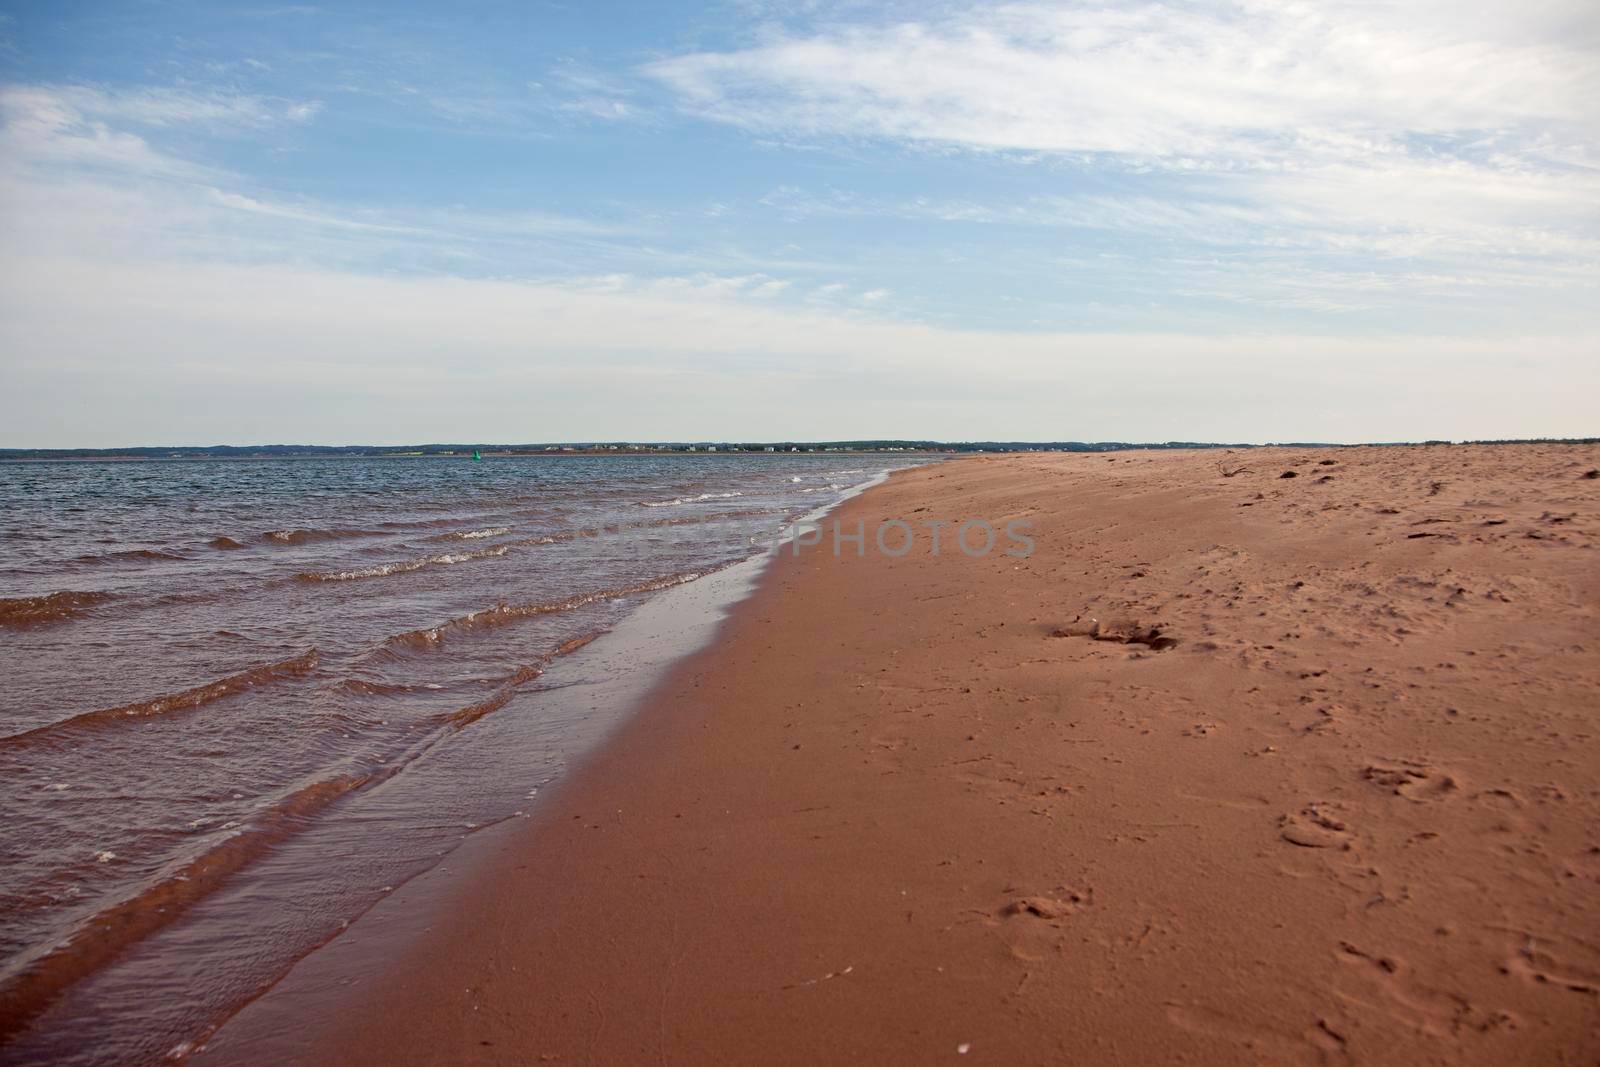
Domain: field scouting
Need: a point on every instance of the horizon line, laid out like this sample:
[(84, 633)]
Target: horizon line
[(713, 445)]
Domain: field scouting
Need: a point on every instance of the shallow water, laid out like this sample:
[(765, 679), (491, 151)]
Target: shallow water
[(246, 698)]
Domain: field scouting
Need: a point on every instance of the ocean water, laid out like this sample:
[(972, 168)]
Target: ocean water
[(245, 699)]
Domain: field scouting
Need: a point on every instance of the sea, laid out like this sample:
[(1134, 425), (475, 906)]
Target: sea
[(245, 699)]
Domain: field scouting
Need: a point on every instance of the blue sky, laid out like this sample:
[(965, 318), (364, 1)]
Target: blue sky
[(1241, 221)]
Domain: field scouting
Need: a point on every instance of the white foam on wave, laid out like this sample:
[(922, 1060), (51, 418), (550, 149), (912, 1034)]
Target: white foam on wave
[(690, 500), (405, 566), (475, 535)]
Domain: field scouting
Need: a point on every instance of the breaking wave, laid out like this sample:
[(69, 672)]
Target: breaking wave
[(690, 500), (401, 566), (508, 686), (296, 667), (501, 614), (474, 535), (52, 607)]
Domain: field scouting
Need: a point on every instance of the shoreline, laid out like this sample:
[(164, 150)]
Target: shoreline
[(271, 1028), (218, 933), (630, 660), (906, 808)]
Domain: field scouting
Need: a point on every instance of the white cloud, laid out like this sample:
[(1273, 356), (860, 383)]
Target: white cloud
[(1209, 85), (70, 182), (1332, 239), (163, 107), (584, 91), (85, 127), (1428, 139), (292, 213), (700, 286), (43, 126)]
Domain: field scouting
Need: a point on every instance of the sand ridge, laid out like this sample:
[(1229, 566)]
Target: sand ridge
[(1237, 767)]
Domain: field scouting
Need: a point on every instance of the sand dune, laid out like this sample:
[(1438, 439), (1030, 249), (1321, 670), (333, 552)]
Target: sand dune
[(1233, 768)]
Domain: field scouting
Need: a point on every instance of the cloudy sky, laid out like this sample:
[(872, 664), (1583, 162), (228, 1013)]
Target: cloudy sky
[(1344, 220)]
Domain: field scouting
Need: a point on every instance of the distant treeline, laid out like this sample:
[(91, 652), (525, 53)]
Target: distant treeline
[(658, 447)]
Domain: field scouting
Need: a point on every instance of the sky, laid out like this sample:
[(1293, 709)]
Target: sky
[(1349, 220)]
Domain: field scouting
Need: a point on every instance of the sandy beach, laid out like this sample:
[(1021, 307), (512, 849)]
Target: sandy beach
[(1294, 763)]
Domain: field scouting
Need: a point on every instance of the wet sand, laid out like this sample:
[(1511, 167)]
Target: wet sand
[(1242, 768)]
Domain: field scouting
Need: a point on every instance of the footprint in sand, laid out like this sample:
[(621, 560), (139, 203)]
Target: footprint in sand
[(1500, 811), (1030, 927), (1534, 962), (1271, 1041), (1314, 826), (1438, 1012), (1121, 631), (1042, 907), (1351, 954), (1413, 780), (1327, 720)]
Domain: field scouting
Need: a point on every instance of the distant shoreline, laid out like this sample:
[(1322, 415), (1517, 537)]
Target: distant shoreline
[(123, 457), (696, 448), (567, 454)]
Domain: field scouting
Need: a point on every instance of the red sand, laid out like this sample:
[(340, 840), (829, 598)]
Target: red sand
[(910, 809)]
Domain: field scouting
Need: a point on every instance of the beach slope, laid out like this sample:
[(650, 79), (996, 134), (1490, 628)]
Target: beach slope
[(1295, 764)]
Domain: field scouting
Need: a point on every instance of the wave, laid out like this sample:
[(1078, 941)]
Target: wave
[(108, 933), (132, 555), (226, 543), (401, 566), (573, 644), (445, 559), (34, 983), (367, 688), (502, 695), (52, 607), (509, 685), (189, 698), (473, 535), (434, 524), (690, 500), (501, 614), (306, 537)]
